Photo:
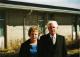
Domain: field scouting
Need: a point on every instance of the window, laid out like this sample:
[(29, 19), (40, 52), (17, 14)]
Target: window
[(41, 22)]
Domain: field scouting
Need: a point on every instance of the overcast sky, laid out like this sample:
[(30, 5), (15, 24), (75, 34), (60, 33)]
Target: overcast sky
[(64, 3)]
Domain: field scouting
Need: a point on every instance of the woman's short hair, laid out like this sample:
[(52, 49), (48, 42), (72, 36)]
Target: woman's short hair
[(33, 28)]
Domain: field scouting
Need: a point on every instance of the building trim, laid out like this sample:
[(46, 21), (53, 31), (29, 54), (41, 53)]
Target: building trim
[(38, 7)]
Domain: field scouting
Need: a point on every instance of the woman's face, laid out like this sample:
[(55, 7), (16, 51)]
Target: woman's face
[(34, 35)]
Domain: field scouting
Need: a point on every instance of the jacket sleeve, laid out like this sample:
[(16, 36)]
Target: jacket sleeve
[(64, 48), (41, 47), (22, 51)]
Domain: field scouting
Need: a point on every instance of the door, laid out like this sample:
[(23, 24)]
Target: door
[(1, 31)]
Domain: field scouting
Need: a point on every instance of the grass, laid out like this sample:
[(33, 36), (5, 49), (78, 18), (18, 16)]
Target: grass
[(7, 53), (75, 51)]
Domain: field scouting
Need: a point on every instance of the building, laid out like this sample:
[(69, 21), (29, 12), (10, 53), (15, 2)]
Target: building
[(17, 17)]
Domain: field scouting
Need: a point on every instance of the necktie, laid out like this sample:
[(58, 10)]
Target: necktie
[(53, 40)]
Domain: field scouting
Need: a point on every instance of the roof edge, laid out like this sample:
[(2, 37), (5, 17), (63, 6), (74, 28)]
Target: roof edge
[(38, 5)]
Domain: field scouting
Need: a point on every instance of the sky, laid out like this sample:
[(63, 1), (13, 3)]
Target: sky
[(63, 3)]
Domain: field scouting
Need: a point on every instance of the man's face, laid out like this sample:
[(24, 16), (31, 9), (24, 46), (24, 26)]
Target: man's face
[(52, 28)]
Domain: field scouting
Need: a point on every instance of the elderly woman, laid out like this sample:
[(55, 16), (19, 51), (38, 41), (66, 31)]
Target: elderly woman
[(29, 48)]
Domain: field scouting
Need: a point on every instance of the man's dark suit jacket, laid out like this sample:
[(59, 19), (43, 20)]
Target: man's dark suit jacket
[(48, 49), (25, 49)]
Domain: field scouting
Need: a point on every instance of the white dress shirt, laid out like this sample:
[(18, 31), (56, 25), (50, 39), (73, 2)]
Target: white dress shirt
[(53, 38)]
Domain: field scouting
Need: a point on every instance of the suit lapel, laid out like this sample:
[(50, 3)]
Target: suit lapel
[(57, 40), (49, 40), (58, 44)]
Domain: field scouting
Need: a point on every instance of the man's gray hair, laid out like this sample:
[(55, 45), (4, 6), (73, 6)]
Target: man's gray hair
[(53, 22)]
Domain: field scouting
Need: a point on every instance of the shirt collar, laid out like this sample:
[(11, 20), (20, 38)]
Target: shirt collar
[(53, 36)]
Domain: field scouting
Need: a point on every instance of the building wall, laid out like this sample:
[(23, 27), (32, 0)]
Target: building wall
[(14, 25), (65, 24), (17, 19)]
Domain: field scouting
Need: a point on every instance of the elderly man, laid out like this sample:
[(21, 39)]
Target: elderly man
[(52, 44)]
